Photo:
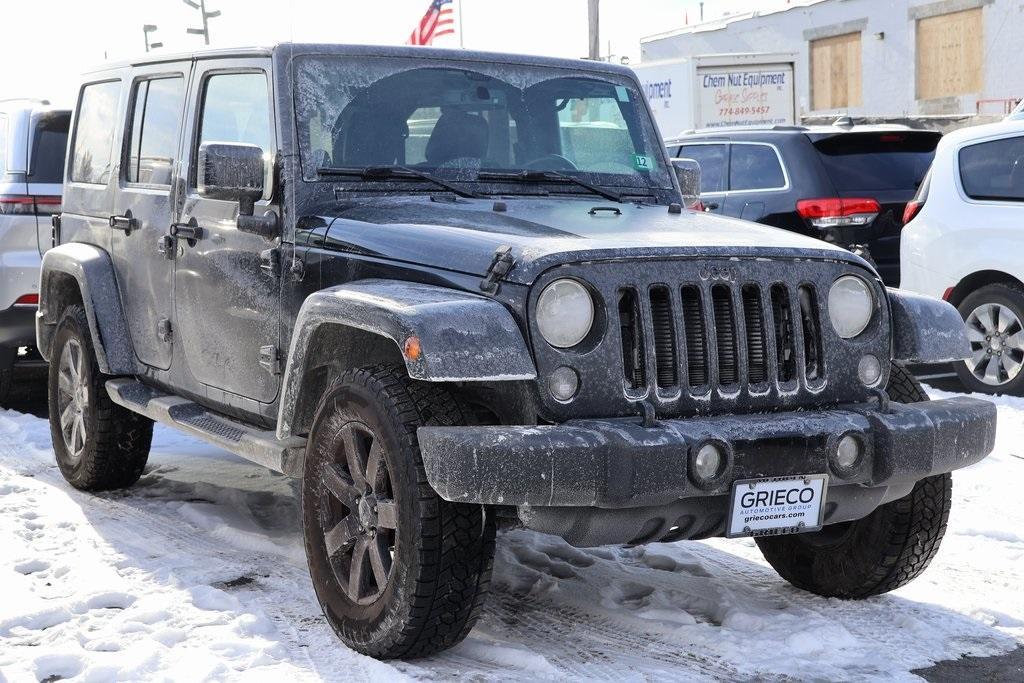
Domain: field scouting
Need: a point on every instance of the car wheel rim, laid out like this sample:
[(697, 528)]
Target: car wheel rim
[(997, 344), (72, 398), (358, 515)]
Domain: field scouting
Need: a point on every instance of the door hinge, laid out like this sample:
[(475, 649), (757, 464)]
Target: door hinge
[(500, 265), (168, 246), (270, 359), (164, 331), (270, 261)]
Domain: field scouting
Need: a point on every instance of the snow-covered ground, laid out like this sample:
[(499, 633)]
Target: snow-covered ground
[(197, 573)]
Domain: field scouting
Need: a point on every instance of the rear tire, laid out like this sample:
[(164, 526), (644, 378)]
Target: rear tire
[(398, 571), (876, 554), (998, 346), (99, 445)]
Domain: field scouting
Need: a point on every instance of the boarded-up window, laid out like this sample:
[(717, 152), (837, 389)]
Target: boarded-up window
[(949, 54), (835, 72)]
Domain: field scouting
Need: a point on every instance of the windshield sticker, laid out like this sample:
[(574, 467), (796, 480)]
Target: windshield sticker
[(621, 93), (642, 162)]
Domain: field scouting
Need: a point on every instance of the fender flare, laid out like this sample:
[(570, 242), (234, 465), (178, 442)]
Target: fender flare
[(93, 270), (464, 337), (926, 330)]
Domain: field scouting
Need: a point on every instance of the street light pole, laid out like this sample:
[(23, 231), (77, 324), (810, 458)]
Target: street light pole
[(146, 30), (592, 22), (205, 30)]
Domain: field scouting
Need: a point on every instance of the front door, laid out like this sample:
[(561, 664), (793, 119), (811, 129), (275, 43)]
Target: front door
[(227, 299), (144, 208)]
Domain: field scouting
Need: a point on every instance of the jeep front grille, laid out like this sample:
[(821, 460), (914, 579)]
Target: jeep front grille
[(725, 327)]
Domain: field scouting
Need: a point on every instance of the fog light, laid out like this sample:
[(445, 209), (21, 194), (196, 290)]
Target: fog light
[(847, 453), (563, 383), (869, 370), (707, 464)]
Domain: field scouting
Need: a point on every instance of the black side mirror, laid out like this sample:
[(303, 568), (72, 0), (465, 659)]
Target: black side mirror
[(233, 172), (688, 175)]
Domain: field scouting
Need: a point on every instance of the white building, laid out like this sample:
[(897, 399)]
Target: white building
[(888, 58)]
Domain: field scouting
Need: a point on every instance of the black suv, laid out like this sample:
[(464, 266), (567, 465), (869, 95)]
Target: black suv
[(848, 185), (448, 289)]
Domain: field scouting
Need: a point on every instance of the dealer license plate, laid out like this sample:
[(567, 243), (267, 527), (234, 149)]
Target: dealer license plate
[(780, 505)]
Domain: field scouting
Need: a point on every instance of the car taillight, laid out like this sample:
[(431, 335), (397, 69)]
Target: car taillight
[(697, 206), (912, 209), (29, 205), (27, 300), (838, 212)]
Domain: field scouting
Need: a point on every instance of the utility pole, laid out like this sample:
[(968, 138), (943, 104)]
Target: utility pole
[(701, 11), (146, 30), (205, 30), (594, 51)]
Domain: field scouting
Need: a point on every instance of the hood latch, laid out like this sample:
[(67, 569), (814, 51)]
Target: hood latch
[(500, 265)]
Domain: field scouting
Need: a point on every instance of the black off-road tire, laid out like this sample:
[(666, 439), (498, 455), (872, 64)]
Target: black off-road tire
[(1003, 294), (117, 440), (441, 552), (6, 381), (876, 554)]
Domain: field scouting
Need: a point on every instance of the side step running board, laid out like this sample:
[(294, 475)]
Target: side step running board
[(262, 447)]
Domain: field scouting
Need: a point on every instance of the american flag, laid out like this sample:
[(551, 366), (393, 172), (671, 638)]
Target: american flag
[(438, 21)]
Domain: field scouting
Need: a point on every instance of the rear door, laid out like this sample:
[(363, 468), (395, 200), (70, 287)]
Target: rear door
[(227, 296), (145, 207), (756, 176), (48, 143)]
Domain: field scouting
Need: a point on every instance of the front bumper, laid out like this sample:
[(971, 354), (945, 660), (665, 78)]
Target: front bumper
[(614, 465)]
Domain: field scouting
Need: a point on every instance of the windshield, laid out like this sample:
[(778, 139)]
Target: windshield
[(474, 122)]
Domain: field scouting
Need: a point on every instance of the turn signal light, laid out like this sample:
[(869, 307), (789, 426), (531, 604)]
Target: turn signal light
[(833, 212)]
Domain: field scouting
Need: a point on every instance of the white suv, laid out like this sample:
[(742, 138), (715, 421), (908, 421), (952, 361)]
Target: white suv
[(33, 142), (964, 242)]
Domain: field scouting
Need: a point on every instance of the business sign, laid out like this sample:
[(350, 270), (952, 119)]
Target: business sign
[(745, 96)]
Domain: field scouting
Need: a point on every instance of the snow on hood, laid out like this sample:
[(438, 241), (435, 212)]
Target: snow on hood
[(462, 236)]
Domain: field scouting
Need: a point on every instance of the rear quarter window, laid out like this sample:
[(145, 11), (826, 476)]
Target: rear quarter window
[(994, 170), (49, 146), (857, 162), (94, 132)]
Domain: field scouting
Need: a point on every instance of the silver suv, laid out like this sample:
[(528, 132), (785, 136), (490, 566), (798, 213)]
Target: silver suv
[(33, 142)]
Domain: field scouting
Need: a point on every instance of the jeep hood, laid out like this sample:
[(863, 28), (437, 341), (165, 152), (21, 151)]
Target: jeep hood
[(463, 235)]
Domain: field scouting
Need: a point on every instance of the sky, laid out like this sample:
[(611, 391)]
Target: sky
[(56, 40)]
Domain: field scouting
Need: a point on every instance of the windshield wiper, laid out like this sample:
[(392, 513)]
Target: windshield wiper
[(370, 172), (534, 176)]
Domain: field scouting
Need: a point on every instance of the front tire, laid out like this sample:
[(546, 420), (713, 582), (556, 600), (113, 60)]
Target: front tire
[(994, 315), (99, 445), (398, 571), (879, 553)]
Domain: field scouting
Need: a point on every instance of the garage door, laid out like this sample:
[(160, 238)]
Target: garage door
[(949, 54), (835, 72)]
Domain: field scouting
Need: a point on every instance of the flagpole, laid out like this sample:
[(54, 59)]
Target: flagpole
[(461, 44)]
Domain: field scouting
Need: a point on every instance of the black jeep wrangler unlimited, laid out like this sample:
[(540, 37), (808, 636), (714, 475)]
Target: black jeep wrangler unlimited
[(448, 290)]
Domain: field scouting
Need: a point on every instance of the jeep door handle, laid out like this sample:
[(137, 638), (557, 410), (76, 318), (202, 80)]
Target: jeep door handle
[(125, 223), (187, 231)]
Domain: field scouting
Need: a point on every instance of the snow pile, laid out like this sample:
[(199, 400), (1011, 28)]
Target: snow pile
[(197, 573)]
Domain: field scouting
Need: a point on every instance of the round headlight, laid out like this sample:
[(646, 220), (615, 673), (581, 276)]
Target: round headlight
[(565, 313), (850, 305)]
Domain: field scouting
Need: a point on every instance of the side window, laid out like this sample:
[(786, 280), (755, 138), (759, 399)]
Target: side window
[(156, 116), (713, 161), (755, 167), (94, 133), (236, 108), (994, 170), (49, 145)]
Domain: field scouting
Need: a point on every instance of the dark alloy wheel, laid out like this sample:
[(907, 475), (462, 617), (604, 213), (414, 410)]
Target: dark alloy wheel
[(878, 553), (398, 571), (358, 516)]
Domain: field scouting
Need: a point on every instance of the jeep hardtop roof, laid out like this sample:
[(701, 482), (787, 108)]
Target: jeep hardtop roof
[(422, 53)]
